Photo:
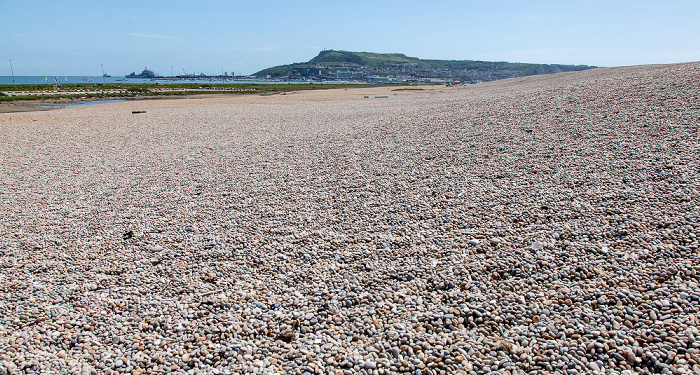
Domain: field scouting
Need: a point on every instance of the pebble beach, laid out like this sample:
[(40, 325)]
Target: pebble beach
[(536, 225)]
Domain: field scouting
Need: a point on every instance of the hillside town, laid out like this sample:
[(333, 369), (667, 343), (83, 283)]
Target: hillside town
[(401, 72)]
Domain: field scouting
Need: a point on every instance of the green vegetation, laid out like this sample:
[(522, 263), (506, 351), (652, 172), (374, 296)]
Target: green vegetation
[(365, 58), (523, 68), (137, 90), (83, 96)]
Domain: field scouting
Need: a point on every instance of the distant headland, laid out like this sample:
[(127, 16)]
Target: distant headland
[(397, 67)]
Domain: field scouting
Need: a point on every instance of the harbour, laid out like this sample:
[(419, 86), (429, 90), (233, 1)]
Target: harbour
[(200, 79)]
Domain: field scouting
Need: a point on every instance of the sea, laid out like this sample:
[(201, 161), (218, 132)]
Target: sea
[(38, 80)]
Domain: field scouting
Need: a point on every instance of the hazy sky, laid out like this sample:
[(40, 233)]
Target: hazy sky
[(71, 37)]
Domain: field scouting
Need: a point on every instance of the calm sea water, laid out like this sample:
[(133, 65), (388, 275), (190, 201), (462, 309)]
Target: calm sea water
[(38, 80)]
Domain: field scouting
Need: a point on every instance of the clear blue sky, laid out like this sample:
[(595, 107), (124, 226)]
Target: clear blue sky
[(73, 37)]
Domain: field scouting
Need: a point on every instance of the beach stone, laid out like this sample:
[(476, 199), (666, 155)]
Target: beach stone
[(395, 352), (313, 232), (156, 248)]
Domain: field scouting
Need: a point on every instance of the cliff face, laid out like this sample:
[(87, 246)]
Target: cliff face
[(357, 65)]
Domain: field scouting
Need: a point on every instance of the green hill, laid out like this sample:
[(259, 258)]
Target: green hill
[(363, 58), (359, 64)]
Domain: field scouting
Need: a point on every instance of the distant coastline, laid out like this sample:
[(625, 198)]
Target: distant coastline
[(50, 80), (336, 66)]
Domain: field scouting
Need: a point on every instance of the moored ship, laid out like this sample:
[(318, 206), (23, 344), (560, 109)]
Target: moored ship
[(145, 74)]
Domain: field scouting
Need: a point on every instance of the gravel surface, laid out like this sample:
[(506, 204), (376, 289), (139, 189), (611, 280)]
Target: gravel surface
[(534, 225)]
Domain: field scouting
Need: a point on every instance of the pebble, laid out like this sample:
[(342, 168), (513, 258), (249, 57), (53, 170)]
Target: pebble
[(316, 233), (156, 248)]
